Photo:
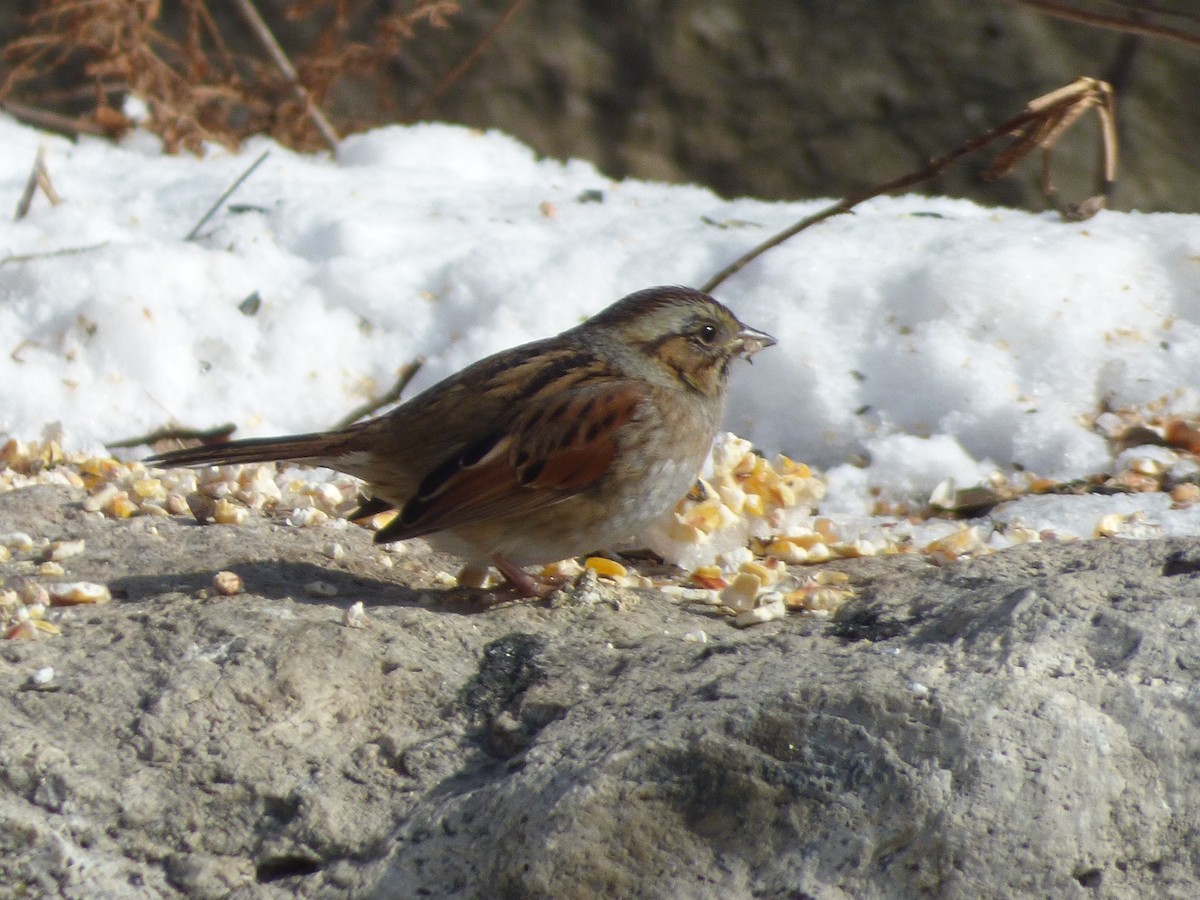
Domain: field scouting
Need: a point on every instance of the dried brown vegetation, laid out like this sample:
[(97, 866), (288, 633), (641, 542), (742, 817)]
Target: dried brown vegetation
[(200, 78), (1173, 20)]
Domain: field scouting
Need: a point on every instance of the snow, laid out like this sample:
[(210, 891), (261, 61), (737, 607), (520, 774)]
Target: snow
[(930, 338)]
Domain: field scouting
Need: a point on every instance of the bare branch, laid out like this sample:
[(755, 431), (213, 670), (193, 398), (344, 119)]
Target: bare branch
[(407, 373), (1038, 125), (203, 435), (423, 108), (226, 195), (51, 121), (39, 177), (267, 39), (1133, 24), (50, 254)]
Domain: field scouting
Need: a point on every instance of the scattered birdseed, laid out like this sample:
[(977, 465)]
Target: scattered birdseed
[(602, 565), (742, 592), (770, 607), (562, 570), (226, 512), (17, 541), (228, 584), (355, 616), (77, 593), (307, 517), (42, 679), (746, 537), (955, 546), (60, 550)]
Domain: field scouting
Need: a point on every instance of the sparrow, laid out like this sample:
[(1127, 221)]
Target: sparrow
[(545, 451)]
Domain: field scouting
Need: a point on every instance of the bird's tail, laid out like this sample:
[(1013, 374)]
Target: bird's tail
[(318, 449)]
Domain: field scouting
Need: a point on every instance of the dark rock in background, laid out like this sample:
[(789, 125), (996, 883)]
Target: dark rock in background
[(789, 99), (811, 99)]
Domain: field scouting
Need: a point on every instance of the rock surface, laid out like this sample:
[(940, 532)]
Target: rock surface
[(1023, 724)]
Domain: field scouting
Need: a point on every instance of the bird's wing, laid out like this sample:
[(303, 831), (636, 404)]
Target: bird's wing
[(553, 451)]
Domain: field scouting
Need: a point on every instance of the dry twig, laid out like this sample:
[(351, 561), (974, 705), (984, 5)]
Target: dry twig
[(267, 39), (39, 177), (407, 373), (49, 254), (1136, 22), (1039, 125), (170, 433), (426, 106), (1057, 112), (191, 235), (70, 126)]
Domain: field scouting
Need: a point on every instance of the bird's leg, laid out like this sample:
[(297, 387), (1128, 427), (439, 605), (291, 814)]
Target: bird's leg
[(521, 581)]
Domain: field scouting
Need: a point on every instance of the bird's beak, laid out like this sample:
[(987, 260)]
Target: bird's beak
[(751, 340)]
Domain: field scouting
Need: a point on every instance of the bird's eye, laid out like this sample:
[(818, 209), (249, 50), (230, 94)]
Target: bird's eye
[(707, 333)]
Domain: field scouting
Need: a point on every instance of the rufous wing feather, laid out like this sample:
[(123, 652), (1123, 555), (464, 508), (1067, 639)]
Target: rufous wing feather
[(553, 451), (369, 507)]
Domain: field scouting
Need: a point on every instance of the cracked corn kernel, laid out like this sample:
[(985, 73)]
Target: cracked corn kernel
[(683, 532), (830, 576), (1185, 494), (77, 593), (854, 549), (790, 553), (764, 573), (228, 584), (356, 616), (563, 570), (18, 541), (770, 609), (96, 471), (149, 489), (754, 505), (21, 631), (122, 507), (97, 501), (805, 539), (829, 599), (742, 591), (307, 517), (226, 512), (710, 577), (953, 546), (34, 593), (819, 553), (733, 497), (60, 550), (601, 565)]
